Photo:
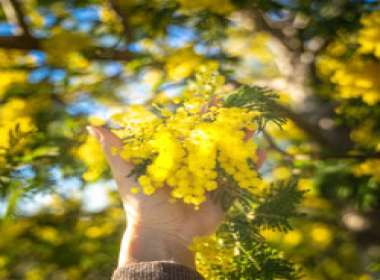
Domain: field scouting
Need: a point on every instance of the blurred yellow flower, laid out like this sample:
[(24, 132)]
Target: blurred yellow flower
[(370, 167), (3, 261), (355, 76), (48, 234), (91, 153), (210, 252), (94, 232), (336, 48), (220, 7), (282, 173), (321, 235), (293, 238), (152, 77), (369, 35), (15, 119), (35, 273), (365, 277), (305, 184), (270, 235), (61, 50), (9, 77), (182, 63)]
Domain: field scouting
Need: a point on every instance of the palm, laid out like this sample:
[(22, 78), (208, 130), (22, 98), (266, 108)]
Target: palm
[(177, 217)]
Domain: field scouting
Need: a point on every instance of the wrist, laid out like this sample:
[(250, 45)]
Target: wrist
[(144, 244)]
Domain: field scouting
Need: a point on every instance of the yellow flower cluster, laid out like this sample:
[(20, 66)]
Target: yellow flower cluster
[(194, 146), (61, 50), (366, 135), (356, 76), (219, 7), (289, 239), (13, 113), (369, 35), (9, 77), (316, 234), (90, 152), (321, 235), (370, 167), (185, 148), (108, 16), (182, 63), (9, 74), (211, 252), (310, 239), (282, 173), (137, 120)]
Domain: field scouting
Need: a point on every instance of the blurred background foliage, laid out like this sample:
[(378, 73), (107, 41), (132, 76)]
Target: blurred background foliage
[(64, 61)]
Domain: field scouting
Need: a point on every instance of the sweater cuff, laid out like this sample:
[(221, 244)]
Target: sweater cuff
[(156, 270)]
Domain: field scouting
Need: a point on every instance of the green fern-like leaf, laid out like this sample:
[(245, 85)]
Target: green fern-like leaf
[(258, 99), (278, 206)]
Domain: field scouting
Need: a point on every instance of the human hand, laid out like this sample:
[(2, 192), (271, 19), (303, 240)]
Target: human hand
[(158, 229)]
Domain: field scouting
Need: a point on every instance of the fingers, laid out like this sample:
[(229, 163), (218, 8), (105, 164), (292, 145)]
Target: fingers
[(110, 144)]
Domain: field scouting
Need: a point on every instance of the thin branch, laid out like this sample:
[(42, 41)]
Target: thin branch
[(98, 53), (20, 43), (115, 5), (21, 17), (274, 146), (349, 156), (313, 131)]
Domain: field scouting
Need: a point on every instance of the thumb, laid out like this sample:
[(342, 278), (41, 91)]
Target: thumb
[(109, 142)]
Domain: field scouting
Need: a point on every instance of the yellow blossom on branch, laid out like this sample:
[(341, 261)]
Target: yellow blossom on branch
[(219, 7), (90, 152), (191, 149), (369, 35)]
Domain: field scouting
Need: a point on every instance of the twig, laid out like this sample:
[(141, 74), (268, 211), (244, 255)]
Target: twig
[(20, 43), (124, 21), (30, 43), (348, 156), (21, 17), (274, 146)]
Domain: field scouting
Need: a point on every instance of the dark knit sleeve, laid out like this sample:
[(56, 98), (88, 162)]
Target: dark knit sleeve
[(156, 271)]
